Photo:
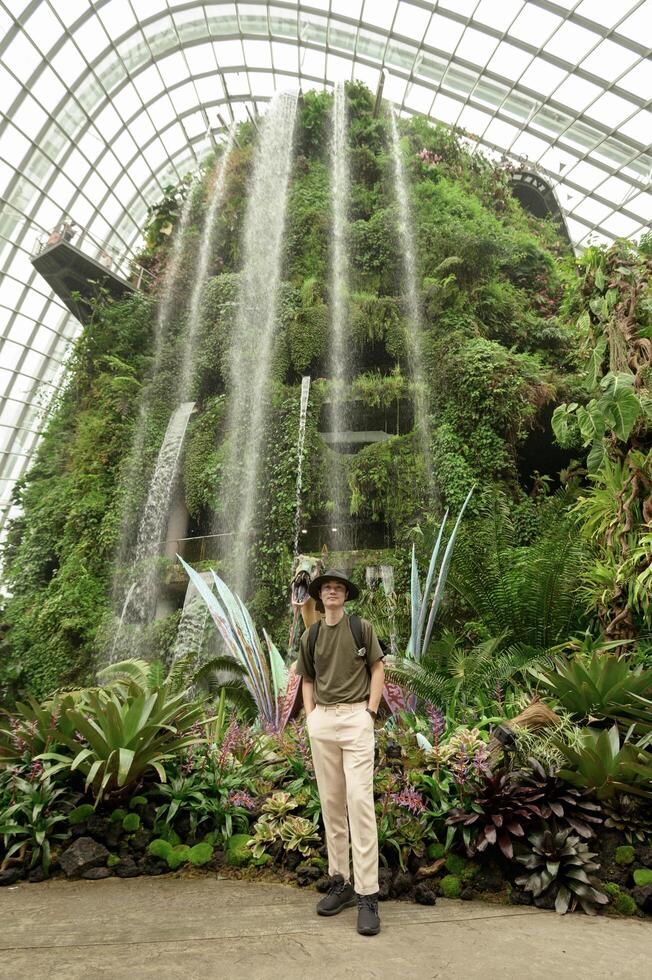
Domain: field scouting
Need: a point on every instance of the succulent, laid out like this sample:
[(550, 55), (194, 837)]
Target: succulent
[(264, 835), (299, 834), (626, 815), (600, 684), (505, 805), (561, 862), (561, 803), (278, 806), (601, 764)]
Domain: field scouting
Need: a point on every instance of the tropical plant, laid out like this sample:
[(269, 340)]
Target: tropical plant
[(505, 805), (560, 863), (522, 597), (266, 676), (563, 806), (422, 619), (31, 822), (602, 684), (299, 834), (450, 675), (605, 767), (126, 729), (33, 728), (628, 816)]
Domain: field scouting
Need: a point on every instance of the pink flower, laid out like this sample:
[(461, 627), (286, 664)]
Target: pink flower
[(409, 799)]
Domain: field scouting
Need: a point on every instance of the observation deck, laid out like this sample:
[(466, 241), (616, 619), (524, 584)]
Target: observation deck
[(75, 276)]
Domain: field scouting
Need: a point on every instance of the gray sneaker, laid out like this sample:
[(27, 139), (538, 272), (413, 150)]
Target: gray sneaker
[(340, 896), (368, 918)]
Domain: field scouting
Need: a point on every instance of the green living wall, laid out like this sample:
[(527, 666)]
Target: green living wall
[(514, 330)]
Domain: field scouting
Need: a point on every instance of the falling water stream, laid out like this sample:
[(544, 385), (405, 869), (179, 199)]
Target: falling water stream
[(254, 331), (141, 598), (338, 372), (187, 371), (414, 317), (303, 412), (163, 318)]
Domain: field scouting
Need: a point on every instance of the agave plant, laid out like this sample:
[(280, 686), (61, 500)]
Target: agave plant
[(404, 674), (266, 676), (423, 618), (501, 810), (126, 729), (605, 767), (561, 803), (558, 862), (602, 684)]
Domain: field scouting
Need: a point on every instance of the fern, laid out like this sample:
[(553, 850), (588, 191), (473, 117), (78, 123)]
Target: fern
[(528, 595)]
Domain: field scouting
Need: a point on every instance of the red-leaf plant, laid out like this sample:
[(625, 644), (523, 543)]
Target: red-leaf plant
[(500, 811)]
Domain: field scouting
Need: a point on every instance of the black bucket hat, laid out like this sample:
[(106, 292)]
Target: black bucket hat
[(332, 574)]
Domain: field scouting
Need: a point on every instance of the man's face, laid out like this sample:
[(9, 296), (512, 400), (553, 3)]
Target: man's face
[(333, 594)]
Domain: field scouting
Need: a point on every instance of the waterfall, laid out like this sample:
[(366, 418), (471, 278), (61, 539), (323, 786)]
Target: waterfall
[(192, 625), (414, 318), (163, 318), (140, 601), (187, 371), (254, 331), (303, 411), (339, 300), (141, 598)]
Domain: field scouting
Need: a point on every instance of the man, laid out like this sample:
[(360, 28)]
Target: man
[(342, 686)]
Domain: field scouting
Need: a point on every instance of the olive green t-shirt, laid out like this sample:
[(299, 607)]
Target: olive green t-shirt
[(340, 673)]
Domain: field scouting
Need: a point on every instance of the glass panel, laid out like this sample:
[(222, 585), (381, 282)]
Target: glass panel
[(475, 46), (637, 25), (534, 25), (605, 12), (443, 33), (542, 77), (257, 54), (639, 127), (418, 98), (610, 110), (349, 8), (509, 61), (571, 42), (609, 60), (445, 110), (21, 57), (380, 14), (498, 14), (410, 21)]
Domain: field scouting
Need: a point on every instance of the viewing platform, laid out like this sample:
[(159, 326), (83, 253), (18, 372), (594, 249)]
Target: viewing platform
[(74, 275)]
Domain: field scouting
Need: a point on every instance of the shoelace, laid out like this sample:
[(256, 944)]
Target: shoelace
[(337, 887), (370, 901)]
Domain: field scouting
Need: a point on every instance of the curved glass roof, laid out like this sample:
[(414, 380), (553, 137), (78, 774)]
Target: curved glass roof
[(104, 102)]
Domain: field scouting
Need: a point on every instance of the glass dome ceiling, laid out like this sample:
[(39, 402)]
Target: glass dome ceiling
[(104, 102)]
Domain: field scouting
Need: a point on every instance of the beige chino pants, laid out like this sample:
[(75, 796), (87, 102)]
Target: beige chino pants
[(342, 744)]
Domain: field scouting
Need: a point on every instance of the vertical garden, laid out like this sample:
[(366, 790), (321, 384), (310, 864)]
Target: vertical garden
[(527, 743)]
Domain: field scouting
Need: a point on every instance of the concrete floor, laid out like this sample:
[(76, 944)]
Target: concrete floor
[(208, 927)]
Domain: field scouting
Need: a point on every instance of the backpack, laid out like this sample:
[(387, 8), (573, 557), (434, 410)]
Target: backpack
[(355, 624)]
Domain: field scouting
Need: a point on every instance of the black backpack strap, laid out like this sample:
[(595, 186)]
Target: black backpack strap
[(312, 638), (356, 628)]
